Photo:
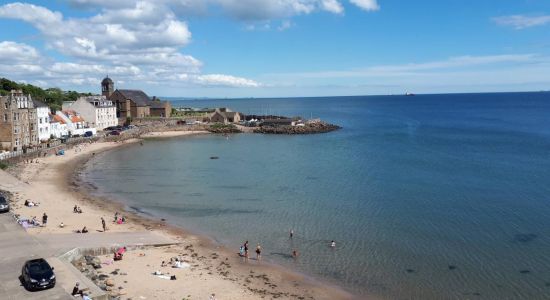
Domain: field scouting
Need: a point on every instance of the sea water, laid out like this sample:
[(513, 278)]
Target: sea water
[(426, 197)]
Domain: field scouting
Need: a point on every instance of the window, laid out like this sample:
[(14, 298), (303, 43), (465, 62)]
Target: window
[(5, 117), (6, 105)]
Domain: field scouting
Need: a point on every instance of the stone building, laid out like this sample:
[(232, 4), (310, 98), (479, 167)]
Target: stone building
[(98, 112), (18, 122), (224, 115), (160, 108), (134, 103)]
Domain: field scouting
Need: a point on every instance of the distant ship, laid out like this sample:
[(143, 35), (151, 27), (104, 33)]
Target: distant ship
[(409, 94)]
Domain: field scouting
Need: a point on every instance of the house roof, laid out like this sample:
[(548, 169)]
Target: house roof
[(58, 119), (138, 96), (76, 119), (158, 104), (39, 103)]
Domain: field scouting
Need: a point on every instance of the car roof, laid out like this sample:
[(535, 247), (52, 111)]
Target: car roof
[(36, 261)]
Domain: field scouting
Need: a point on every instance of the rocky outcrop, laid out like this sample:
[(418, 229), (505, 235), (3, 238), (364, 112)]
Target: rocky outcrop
[(317, 127), (223, 128)]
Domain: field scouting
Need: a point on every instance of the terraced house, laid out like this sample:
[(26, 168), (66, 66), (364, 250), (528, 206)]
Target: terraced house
[(18, 122)]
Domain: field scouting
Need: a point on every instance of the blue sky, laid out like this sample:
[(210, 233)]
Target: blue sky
[(262, 48)]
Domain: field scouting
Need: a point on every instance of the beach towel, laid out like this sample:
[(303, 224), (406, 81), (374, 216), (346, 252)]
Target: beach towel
[(181, 265), (121, 250)]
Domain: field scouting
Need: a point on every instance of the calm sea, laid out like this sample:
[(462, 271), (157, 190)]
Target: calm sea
[(427, 197)]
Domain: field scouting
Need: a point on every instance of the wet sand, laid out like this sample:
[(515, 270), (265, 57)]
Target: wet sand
[(54, 182)]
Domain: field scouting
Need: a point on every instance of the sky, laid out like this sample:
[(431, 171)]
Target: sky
[(278, 48)]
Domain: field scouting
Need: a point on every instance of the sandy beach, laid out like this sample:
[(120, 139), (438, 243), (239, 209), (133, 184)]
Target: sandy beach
[(209, 268)]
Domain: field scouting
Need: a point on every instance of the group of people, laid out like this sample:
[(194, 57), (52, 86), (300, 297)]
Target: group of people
[(243, 250), (77, 209), (119, 219), (29, 203)]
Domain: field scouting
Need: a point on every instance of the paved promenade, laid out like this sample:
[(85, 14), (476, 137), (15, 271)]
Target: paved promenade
[(17, 246)]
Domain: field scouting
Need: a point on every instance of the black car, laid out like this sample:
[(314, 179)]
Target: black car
[(4, 205), (37, 274)]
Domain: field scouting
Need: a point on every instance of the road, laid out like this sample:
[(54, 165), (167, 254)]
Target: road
[(17, 246)]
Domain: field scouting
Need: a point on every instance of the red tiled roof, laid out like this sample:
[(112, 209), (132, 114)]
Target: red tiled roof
[(59, 119)]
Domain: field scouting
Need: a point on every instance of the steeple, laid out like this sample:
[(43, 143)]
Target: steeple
[(107, 87)]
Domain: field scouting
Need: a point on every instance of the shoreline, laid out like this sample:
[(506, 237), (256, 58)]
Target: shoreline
[(283, 282)]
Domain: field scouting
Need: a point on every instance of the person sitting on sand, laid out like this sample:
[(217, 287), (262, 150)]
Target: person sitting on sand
[(77, 290), (75, 209), (163, 264), (27, 202), (212, 297), (79, 210), (117, 256), (61, 225), (84, 230)]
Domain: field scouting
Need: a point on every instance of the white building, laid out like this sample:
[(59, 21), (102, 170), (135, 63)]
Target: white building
[(42, 120), (75, 123), (98, 112), (58, 128)]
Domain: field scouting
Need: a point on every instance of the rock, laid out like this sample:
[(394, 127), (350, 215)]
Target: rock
[(103, 276), (109, 282), (316, 127), (109, 288), (115, 272)]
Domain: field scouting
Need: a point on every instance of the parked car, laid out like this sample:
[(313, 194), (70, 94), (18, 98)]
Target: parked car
[(114, 132), (110, 128), (37, 274), (4, 205)]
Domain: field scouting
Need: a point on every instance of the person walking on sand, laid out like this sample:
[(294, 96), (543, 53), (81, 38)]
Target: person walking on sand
[(258, 252), (103, 224), (44, 219)]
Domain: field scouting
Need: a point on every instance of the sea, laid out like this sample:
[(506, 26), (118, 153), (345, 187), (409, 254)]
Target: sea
[(426, 197)]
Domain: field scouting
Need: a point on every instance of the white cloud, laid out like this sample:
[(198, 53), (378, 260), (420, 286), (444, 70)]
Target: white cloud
[(286, 24), (367, 5), (522, 21), (244, 10), (19, 53), (226, 80), (332, 6)]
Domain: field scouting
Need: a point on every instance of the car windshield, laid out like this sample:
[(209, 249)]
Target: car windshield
[(39, 268), (3, 200)]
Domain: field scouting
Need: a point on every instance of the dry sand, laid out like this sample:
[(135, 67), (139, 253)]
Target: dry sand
[(53, 182)]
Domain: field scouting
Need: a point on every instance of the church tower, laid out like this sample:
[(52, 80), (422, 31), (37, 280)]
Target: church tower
[(107, 87)]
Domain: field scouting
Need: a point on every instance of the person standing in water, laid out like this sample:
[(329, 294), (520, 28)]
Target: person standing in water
[(291, 233), (246, 250), (333, 244), (258, 252)]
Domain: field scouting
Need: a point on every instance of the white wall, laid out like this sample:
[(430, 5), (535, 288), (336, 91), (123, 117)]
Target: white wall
[(43, 120)]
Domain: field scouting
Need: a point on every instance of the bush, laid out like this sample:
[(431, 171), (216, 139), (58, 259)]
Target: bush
[(3, 165)]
